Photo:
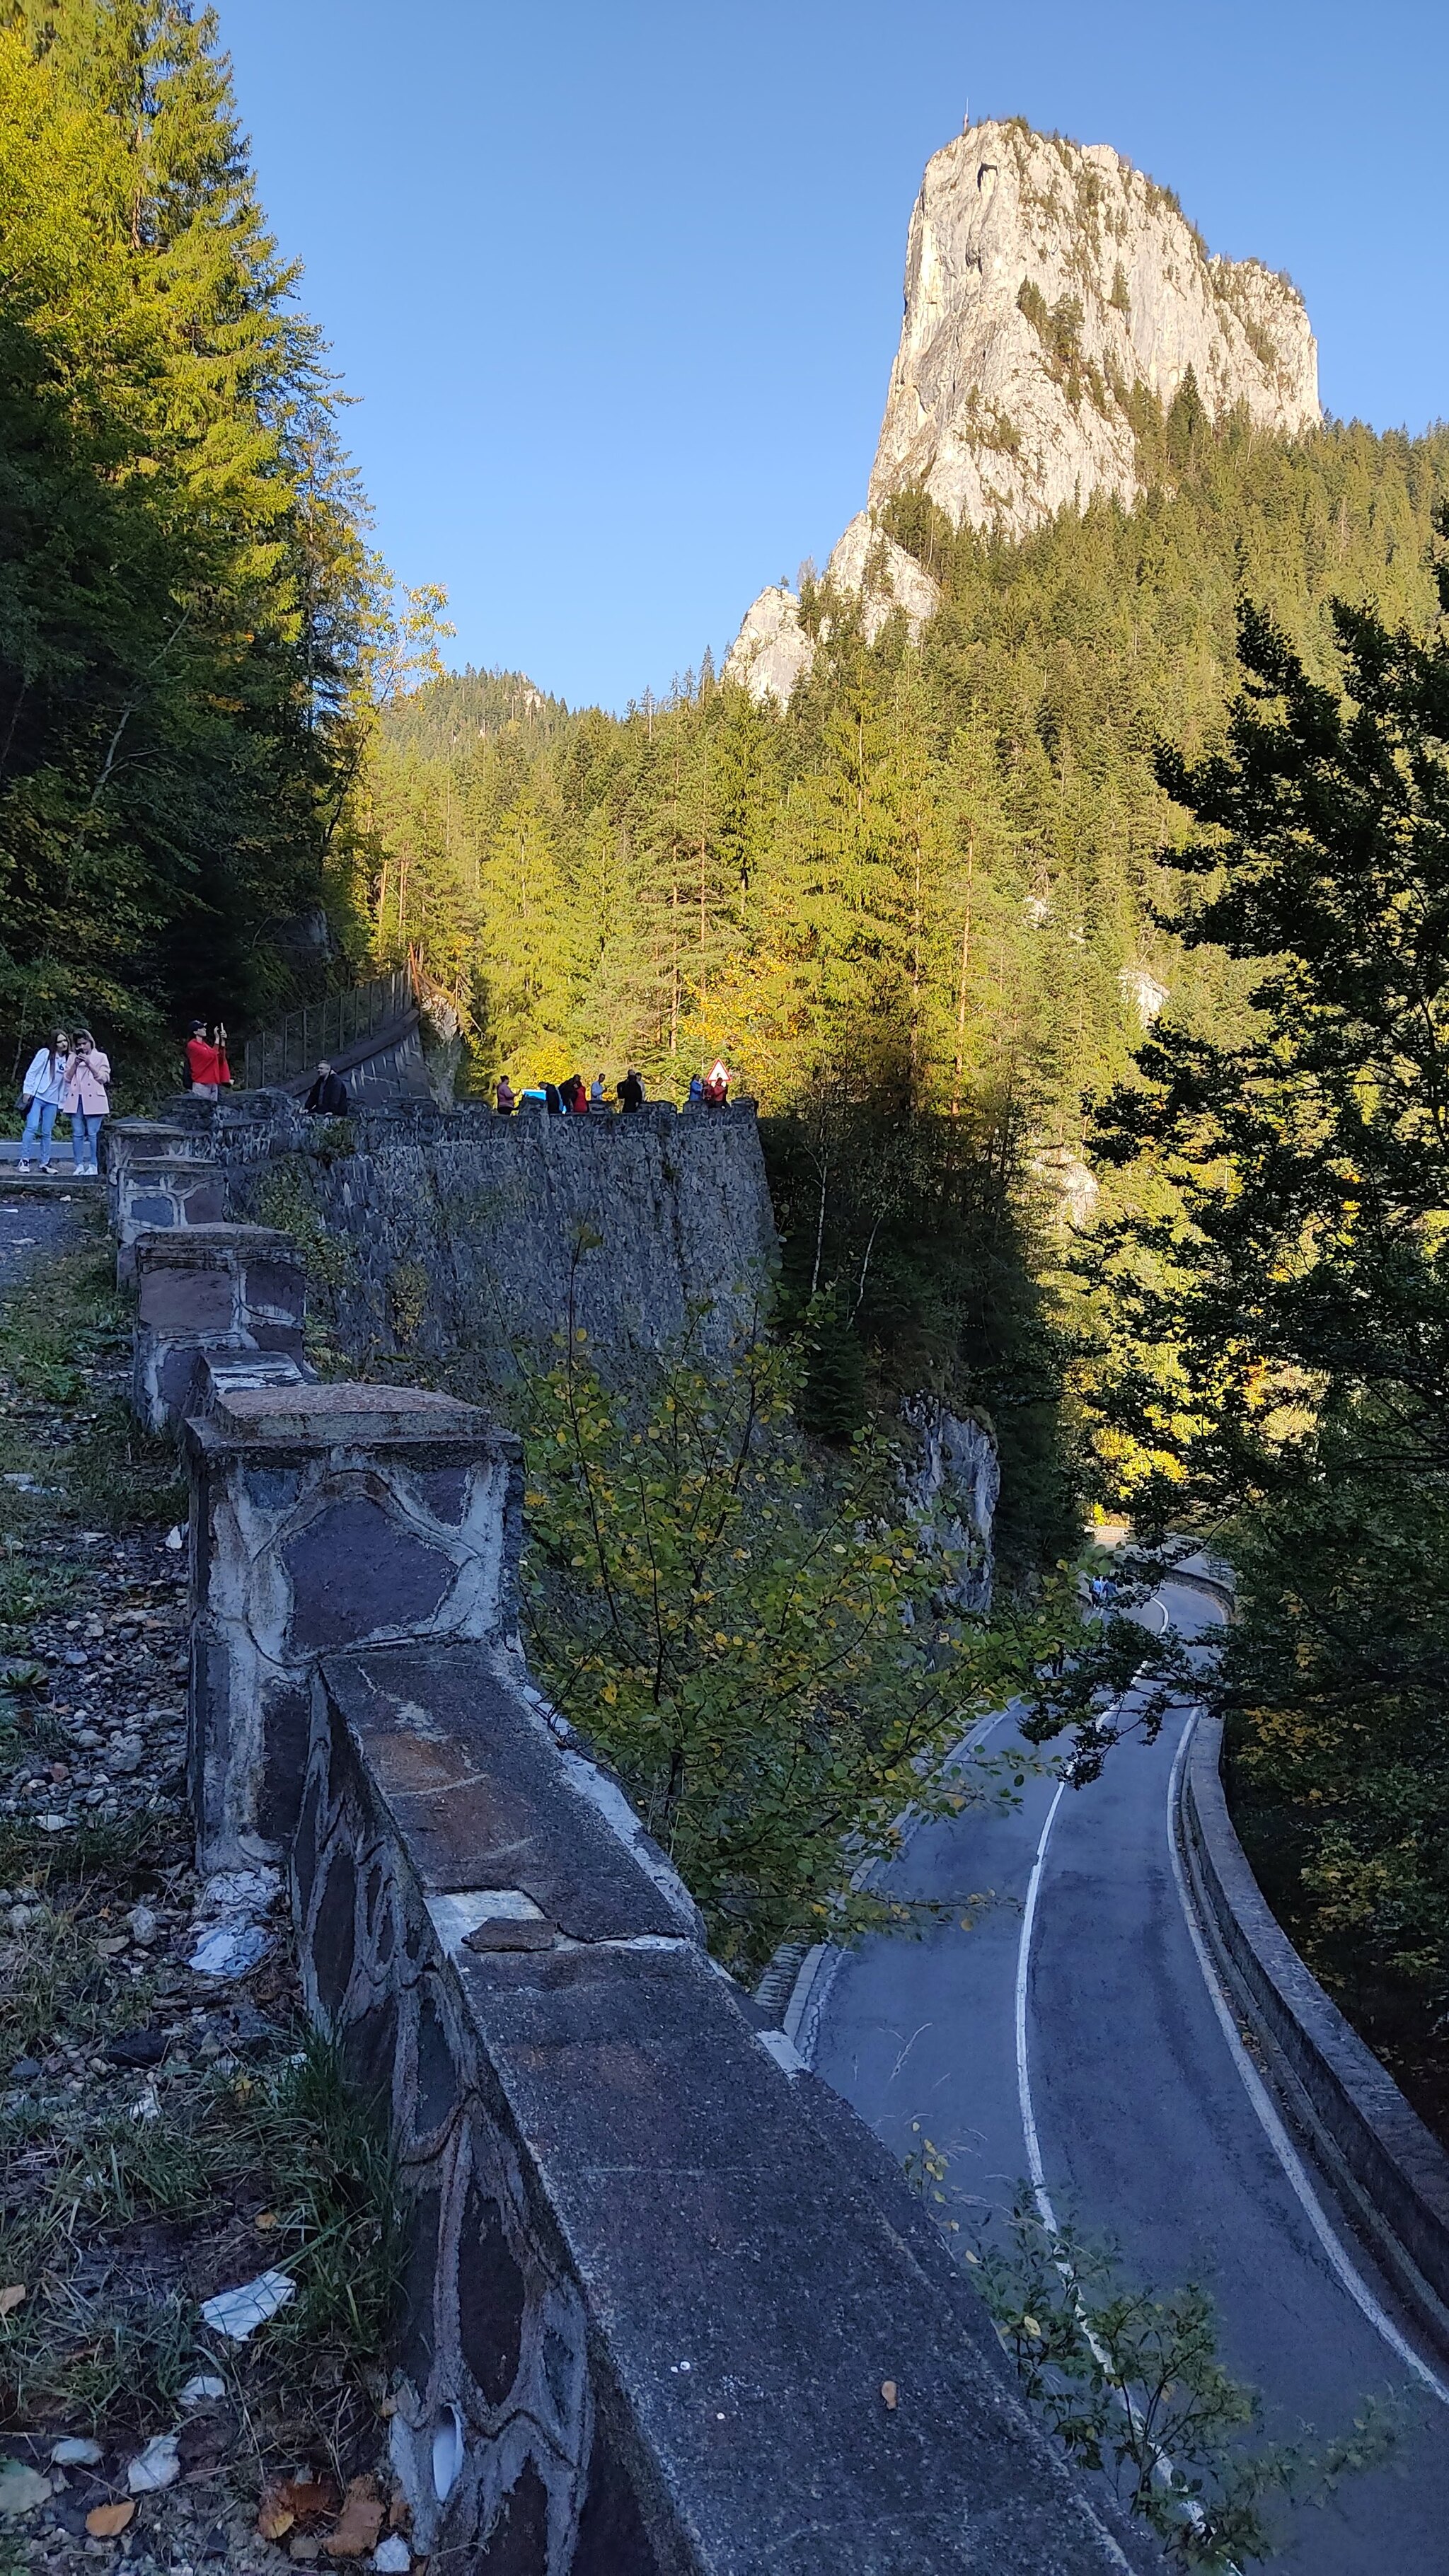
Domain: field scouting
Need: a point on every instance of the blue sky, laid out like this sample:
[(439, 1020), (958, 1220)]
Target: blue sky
[(617, 287)]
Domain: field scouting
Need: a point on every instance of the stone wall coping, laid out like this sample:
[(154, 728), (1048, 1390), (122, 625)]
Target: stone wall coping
[(199, 1247), (1357, 2110), (322, 1415), (168, 1166), (486, 1796)]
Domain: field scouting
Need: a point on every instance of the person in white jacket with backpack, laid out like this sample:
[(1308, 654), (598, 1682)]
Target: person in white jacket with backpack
[(40, 1097)]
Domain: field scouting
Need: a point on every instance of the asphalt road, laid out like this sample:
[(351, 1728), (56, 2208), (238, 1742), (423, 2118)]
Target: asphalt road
[(1145, 2127)]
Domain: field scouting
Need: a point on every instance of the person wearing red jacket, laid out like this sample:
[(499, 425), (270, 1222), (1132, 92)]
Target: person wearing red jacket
[(206, 1062)]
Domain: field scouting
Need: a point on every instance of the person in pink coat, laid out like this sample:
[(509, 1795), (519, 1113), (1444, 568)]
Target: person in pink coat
[(86, 1096)]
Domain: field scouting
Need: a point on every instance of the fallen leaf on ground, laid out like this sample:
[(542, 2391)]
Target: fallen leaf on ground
[(106, 2521), (12, 2298), (296, 2500), (362, 2511), (265, 2220), (888, 2392)]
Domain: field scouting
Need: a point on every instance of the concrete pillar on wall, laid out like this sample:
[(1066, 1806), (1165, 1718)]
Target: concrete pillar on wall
[(202, 1291), (167, 1190), (326, 1519), (125, 1141)]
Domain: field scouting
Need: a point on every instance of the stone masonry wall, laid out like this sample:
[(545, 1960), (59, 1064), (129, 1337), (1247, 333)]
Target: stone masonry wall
[(448, 1230)]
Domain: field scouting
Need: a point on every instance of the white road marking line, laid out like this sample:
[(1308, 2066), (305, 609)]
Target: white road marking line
[(1036, 2171), (1277, 2136)]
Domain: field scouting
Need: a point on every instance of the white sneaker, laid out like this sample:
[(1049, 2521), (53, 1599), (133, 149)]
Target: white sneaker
[(24, 1167)]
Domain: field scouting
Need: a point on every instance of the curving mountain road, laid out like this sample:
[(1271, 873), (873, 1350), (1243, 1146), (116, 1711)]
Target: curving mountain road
[(1073, 2038)]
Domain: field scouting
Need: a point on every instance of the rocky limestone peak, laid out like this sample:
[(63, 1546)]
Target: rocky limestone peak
[(772, 648), (1049, 285), (1048, 282)]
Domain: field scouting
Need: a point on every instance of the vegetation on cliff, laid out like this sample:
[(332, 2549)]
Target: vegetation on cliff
[(920, 909)]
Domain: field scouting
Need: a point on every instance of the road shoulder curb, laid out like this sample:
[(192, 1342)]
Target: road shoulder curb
[(1370, 2145)]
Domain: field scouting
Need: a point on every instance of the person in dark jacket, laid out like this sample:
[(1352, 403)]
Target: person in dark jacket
[(328, 1095), (631, 1090), (504, 1096)]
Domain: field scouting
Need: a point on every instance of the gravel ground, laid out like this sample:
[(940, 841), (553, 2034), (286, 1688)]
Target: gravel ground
[(126, 2048)]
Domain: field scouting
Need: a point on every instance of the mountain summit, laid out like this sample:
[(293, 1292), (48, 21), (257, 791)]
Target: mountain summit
[(1050, 289)]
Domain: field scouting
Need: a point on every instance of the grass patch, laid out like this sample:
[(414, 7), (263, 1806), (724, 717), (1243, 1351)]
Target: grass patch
[(284, 2169), (119, 1859), (65, 1333), (60, 1982)]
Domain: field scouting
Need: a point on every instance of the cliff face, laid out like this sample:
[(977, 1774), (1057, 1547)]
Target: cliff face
[(1050, 287), (1046, 284)]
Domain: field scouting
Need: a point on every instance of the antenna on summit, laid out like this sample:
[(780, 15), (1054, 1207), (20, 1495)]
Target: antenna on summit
[(966, 119)]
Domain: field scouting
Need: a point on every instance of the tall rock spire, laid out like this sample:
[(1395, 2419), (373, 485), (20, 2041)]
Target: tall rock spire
[(1048, 283), (1050, 287)]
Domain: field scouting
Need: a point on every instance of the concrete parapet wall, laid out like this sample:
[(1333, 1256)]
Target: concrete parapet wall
[(203, 1291), (1391, 2171), (667, 2316)]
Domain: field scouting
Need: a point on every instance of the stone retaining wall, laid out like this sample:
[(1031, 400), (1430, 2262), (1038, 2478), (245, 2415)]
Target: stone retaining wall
[(669, 2309), (456, 1230), (324, 1518), (209, 1292)]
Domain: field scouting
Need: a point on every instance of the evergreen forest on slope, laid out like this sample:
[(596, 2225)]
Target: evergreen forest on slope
[(189, 610), (967, 918)]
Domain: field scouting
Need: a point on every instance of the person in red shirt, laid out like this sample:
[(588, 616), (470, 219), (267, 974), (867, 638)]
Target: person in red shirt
[(206, 1060)]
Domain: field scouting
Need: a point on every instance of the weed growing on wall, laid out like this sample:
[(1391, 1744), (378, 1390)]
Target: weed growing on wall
[(284, 1200)]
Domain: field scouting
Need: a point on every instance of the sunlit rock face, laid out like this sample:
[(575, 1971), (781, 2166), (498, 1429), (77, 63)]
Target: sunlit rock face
[(1047, 284), (1050, 288), (773, 650)]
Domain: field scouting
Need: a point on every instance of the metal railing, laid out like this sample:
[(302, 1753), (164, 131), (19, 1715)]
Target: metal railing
[(327, 1028)]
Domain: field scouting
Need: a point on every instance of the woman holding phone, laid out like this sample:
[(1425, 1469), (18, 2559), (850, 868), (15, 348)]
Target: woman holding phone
[(85, 1095)]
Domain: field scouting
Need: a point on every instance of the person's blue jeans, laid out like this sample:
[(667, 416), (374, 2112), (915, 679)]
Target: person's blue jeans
[(38, 1124), (85, 1134)]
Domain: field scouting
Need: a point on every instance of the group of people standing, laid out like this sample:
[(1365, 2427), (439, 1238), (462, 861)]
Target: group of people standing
[(572, 1098), (68, 1078)]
